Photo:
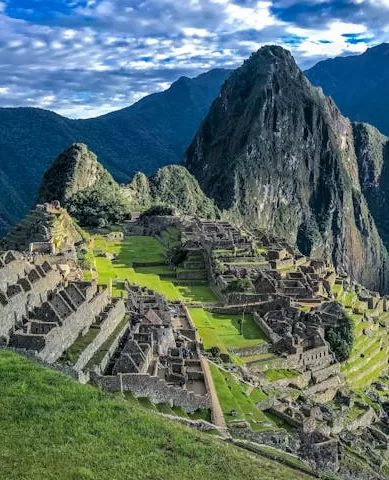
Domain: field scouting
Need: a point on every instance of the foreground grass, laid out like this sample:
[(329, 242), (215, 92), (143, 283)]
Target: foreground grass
[(52, 428), (223, 331), (147, 250)]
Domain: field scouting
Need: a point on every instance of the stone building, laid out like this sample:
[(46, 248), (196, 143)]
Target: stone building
[(158, 355)]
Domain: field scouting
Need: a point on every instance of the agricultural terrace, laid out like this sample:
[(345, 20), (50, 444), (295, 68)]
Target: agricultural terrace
[(154, 272)]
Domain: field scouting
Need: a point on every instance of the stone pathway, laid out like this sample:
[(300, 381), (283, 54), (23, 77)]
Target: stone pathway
[(217, 412)]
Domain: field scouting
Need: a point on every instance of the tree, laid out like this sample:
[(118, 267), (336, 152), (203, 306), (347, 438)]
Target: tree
[(240, 285), (340, 337)]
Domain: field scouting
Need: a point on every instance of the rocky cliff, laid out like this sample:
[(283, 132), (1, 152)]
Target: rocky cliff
[(373, 161), (275, 152)]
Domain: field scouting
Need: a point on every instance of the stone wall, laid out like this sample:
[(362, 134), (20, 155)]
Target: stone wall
[(273, 337), (100, 369), (10, 273), (192, 275), (59, 339), (243, 298), (115, 316), (20, 304), (153, 388), (322, 374), (249, 351)]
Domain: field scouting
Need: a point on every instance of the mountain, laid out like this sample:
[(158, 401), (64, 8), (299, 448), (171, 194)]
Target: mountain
[(278, 154), (174, 186), (89, 193), (80, 183), (146, 136), (359, 84)]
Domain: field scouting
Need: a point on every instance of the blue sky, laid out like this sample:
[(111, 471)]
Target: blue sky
[(85, 58)]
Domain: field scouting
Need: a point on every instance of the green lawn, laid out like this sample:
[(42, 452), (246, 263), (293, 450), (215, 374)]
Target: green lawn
[(53, 428), (223, 330), (145, 250), (133, 249), (279, 374)]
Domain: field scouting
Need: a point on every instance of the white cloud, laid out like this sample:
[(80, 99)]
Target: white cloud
[(110, 53)]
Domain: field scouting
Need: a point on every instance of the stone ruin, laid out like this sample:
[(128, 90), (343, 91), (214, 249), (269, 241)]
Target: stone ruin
[(158, 355), (274, 267), (42, 312)]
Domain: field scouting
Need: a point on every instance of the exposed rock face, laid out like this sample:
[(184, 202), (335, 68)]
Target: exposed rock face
[(73, 171), (277, 153), (173, 186), (373, 160)]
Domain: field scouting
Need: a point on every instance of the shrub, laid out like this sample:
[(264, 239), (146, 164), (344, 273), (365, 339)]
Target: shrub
[(240, 285), (158, 210)]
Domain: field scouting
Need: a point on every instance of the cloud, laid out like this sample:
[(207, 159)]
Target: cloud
[(87, 57)]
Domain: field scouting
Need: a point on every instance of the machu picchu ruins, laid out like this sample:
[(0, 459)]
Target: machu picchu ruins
[(266, 324)]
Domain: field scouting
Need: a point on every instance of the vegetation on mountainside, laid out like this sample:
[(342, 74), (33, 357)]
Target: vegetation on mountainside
[(76, 432), (81, 184), (174, 187), (99, 206), (157, 210)]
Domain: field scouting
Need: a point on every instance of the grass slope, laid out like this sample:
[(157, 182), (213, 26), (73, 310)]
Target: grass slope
[(223, 330), (53, 428), (138, 249)]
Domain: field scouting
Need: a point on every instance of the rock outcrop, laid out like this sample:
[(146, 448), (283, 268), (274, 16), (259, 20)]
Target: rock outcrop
[(372, 150), (275, 152)]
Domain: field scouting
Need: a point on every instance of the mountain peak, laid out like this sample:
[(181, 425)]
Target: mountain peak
[(72, 171), (276, 153), (381, 49)]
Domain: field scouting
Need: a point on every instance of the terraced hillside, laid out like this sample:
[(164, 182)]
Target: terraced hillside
[(44, 225), (370, 354)]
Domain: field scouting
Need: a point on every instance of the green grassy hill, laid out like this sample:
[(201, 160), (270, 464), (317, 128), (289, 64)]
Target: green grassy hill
[(51, 427)]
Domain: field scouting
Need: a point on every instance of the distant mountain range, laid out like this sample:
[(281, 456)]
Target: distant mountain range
[(359, 84), (150, 134)]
